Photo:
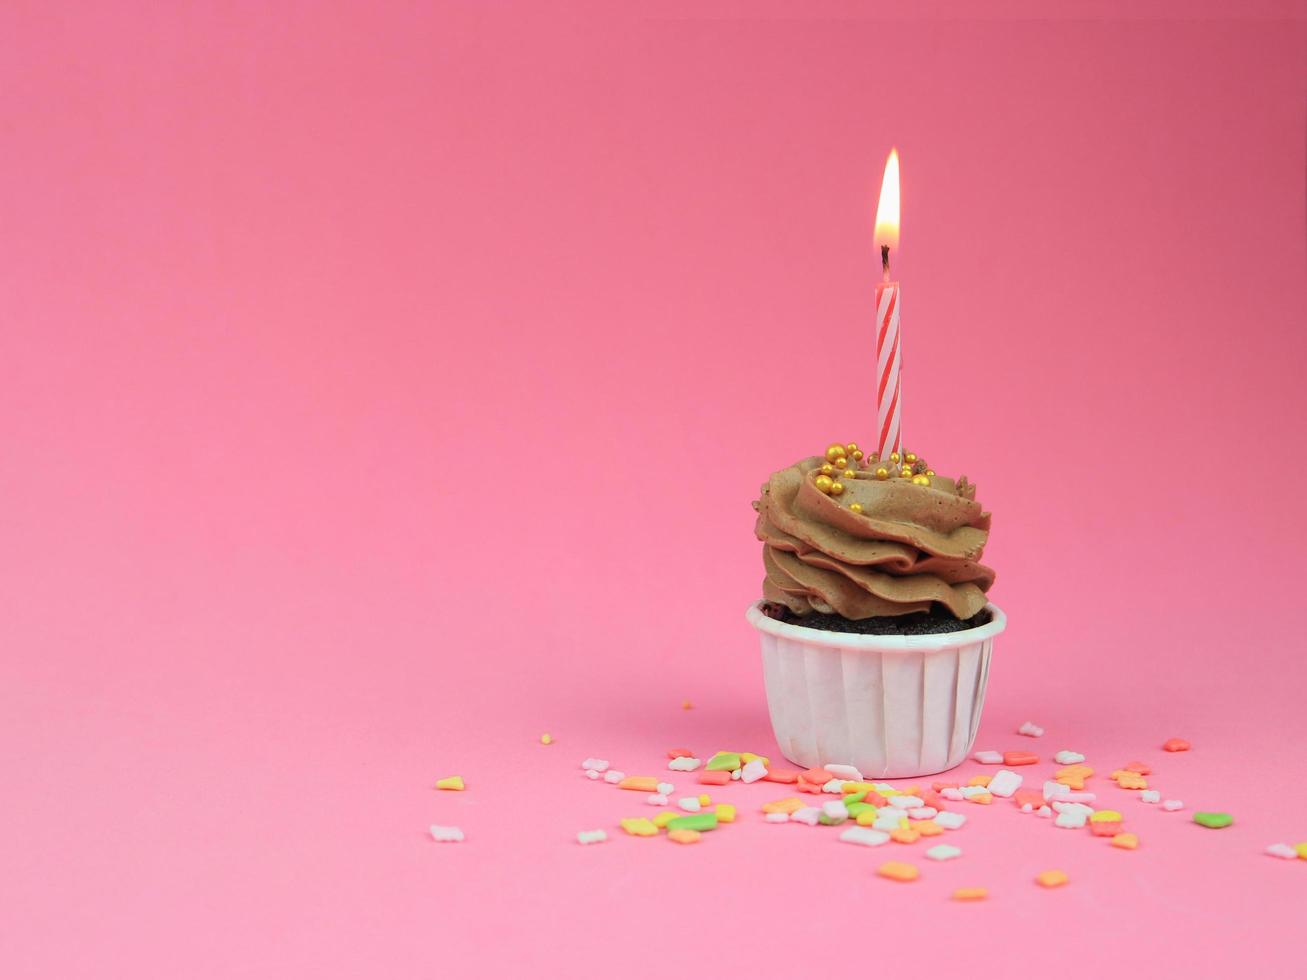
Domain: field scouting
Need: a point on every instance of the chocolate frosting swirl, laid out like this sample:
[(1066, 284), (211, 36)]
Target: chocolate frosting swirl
[(911, 546)]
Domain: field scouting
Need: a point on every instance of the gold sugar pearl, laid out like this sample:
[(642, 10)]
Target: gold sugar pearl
[(842, 462), (836, 489), (834, 451), (930, 472), (921, 480), (894, 457), (851, 447), (905, 472), (856, 508), (909, 457), (849, 474), (857, 453), (882, 473), (827, 469), (824, 483)]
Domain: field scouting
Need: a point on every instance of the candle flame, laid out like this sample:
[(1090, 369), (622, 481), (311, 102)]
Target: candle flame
[(887, 211)]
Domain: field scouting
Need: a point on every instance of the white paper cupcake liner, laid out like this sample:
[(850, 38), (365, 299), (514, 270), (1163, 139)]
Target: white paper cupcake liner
[(893, 706)]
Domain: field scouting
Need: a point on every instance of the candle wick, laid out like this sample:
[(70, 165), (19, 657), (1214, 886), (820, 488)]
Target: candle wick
[(884, 261)]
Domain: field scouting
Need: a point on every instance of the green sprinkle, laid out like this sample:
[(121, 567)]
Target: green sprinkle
[(855, 797), (695, 821), (1214, 820), (728, 761), (856, 808), (830, 821)]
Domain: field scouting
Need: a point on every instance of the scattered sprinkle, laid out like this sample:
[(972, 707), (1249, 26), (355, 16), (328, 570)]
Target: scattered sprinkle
[(446, 835), (1127, 841), (452, 783), (1052, 878), (1031, 729), (898, 871), (1213, 820), (1283, 851), (591, 837), (970, 894), (1175, 745), (546, 739)]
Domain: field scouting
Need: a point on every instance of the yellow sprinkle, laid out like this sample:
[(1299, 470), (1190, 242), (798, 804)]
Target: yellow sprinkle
[(788, 805), (747, 757), (725, 813), (1052, 878), (663, 816), (1128, 841), (1301, 849), (867, 817), (640, 827), (927, 828), (1104, 816), (451, 782), (546, 739)]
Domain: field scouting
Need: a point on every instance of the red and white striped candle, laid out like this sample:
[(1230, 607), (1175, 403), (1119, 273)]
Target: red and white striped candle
[(889, 342)]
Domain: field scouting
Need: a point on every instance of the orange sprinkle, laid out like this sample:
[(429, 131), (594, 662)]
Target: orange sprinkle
[(1128, 841), (683, 836), (1052, 878), (1175, 745), (898, 871), (970, 894), (904, 835), (642, 784)]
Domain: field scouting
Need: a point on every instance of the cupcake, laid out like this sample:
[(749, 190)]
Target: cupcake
[(875, 625)]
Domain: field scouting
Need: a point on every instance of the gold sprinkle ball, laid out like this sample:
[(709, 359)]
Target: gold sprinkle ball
[(905, 472), (834, 451), (882, 473), (909, 457), (842, 462), (836, 489), (930, 472), (855, 507), (857, 453), (921, 480), (894, 457), (827, 469), (850, 446), (824, 483), (849, 474)]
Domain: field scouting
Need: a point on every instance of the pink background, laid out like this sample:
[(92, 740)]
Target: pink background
[(382, 385)]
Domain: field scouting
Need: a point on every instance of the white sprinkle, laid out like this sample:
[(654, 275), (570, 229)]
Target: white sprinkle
[(835, 810), (1044, 811), (969, 791), (591, 837), (592, 774), (776, 817), (1071, 819), (656, 799), (988, 757), (753, 771), (1172, 805), (666, 789), (690, 804), (809, 815), (833, 786), (735, 773), (952, 793), (906, 803), (1282, 851), (950, 820), (1068, 758), (1150, 796), (881, 787), (866, 836), (886, 823), (614, 776), (923, 813), (1061, 807), (893, 812), (598, 765), (1027, 808), (1004, 783), (943, 852), (1053, 789), (1031, 729), (686, 763), (446, 835), (846, 773)]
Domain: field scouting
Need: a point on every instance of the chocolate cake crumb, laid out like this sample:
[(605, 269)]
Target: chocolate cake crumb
[(938, 620)]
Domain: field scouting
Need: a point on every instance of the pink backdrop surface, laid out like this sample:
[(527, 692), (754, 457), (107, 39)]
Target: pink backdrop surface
[(383, 385)]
